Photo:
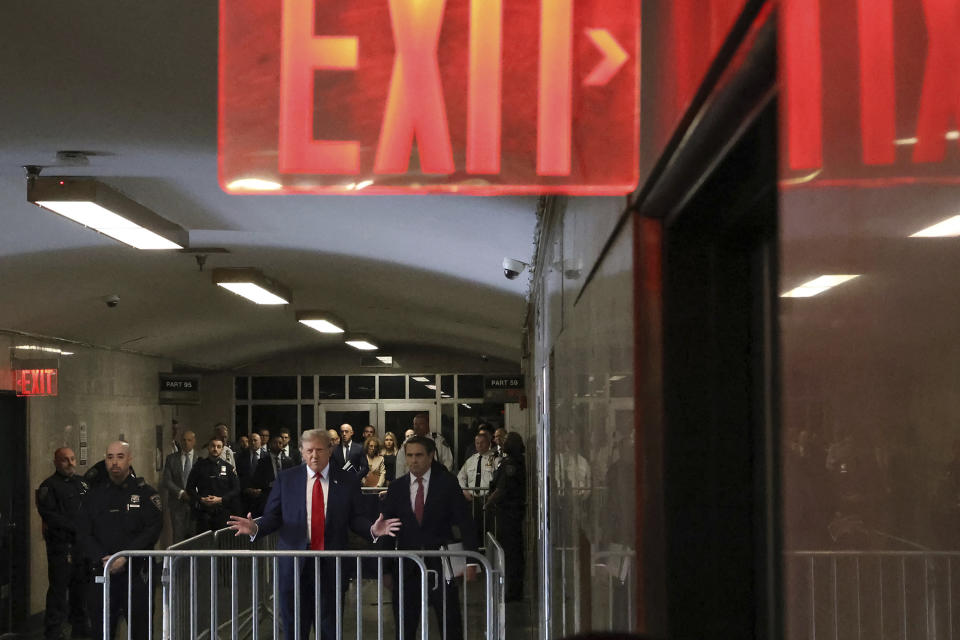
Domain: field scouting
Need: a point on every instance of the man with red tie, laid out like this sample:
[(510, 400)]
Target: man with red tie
[(312, 506), (428, 501)]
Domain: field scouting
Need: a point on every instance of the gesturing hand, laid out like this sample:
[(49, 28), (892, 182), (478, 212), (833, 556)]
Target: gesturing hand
[(385, 527), (243, 526)]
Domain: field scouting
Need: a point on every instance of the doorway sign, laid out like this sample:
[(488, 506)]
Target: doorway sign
[(483, 97)]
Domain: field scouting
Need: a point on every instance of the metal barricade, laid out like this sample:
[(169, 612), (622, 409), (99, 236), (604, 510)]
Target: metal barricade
[(871, 594), (194, 616)]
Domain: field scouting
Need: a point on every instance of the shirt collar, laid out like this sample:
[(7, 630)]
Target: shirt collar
[(426, 477), (325, 472)]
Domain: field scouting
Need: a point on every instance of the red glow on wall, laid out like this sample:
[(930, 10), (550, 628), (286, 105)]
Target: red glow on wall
[(483, 97), (35, 382)]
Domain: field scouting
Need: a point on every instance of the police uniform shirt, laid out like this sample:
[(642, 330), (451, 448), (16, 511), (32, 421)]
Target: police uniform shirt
[(58, 501), (121, 516), (468, 472), (213, 477)]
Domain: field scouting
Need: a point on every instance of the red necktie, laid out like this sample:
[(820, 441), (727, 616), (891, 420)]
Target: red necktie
[(317, 518), (418, 502)]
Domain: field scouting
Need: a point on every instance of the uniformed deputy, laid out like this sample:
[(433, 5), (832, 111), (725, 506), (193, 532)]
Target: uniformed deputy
[(508, 500), (213, 487), (125, 514), (58, 501)]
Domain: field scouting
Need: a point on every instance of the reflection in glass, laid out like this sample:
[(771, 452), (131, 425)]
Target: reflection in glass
[(393, 388), (423, 387), (332, 387), (362, 387)]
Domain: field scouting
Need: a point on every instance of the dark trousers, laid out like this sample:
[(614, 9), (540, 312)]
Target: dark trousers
[(142, 601), (66, 595), (437, 590), (509, 533), (328, 602)]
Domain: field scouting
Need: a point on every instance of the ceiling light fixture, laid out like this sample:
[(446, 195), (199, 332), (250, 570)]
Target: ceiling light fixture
[(30, 347), (385, 359), (948, 228), (818, 285), (361, 342), (321, 321), (97, 206), (252, 285), (421, 379)]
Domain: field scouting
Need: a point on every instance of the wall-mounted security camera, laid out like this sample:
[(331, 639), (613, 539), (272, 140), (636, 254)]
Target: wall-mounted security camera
[(513, 268), (111, 300)]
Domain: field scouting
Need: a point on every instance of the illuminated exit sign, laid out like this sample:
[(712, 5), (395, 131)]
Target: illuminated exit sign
[(35, 382), (482, 97)]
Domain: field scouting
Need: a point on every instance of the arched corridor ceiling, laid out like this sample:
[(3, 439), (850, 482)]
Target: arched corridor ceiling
[(136, 83)]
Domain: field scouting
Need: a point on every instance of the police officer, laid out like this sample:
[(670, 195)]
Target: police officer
[(213, 487), (508, 500), (97, 475), (124, 514), (58, 501)]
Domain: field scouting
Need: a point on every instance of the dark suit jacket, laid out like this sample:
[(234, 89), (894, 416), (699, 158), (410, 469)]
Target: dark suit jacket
[(173, 480), (356, 458), (245, 467), (444, 507), (286, 513)]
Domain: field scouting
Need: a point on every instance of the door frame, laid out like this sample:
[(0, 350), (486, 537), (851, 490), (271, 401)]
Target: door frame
[(426, 406)]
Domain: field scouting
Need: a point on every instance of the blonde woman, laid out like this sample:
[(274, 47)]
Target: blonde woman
[(377, 476), (389, 454)]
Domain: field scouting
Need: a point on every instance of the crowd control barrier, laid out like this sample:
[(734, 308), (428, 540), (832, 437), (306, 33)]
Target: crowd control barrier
[(872, 594), (232, 593)]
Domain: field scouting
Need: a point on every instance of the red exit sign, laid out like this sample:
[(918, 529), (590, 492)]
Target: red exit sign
[(35, 382), (482, 97)]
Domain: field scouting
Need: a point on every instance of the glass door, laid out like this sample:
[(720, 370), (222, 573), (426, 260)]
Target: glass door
[(356, 414), (397, 417)]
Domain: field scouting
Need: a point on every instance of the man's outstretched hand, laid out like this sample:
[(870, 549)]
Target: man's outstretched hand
[(243, 526), (383, 527)]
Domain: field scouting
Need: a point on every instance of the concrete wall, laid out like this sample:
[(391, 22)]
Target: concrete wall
[(111, 393)]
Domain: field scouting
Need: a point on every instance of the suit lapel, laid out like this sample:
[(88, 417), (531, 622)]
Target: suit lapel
[(299, 493)]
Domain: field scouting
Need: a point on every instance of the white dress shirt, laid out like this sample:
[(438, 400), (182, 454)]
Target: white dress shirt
[(414, 485), (324, 486)]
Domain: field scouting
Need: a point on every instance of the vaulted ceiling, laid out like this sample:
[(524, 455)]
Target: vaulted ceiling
[(135, 85)]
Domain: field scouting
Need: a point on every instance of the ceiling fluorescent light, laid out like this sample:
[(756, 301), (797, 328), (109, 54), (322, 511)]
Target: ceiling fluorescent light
[(321, 321), (361, 343), (948, 228), (421, 379), (29, 347), (97, 206), (385, 359), (818, 285), (252, 285)]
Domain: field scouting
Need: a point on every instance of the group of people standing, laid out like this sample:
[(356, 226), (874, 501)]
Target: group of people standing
[(85, 521), (421, 504)]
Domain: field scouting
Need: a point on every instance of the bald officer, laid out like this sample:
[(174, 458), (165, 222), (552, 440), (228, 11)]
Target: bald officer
[(124, 514)]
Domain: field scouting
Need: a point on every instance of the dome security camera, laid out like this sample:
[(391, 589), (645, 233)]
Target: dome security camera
[(111, 300), (513, 268)]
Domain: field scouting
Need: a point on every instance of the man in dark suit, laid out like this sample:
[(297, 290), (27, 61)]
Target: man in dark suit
[(312, 506), (348, 455), (247, 461), (428, 501), (267, 470), (176, 470)]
